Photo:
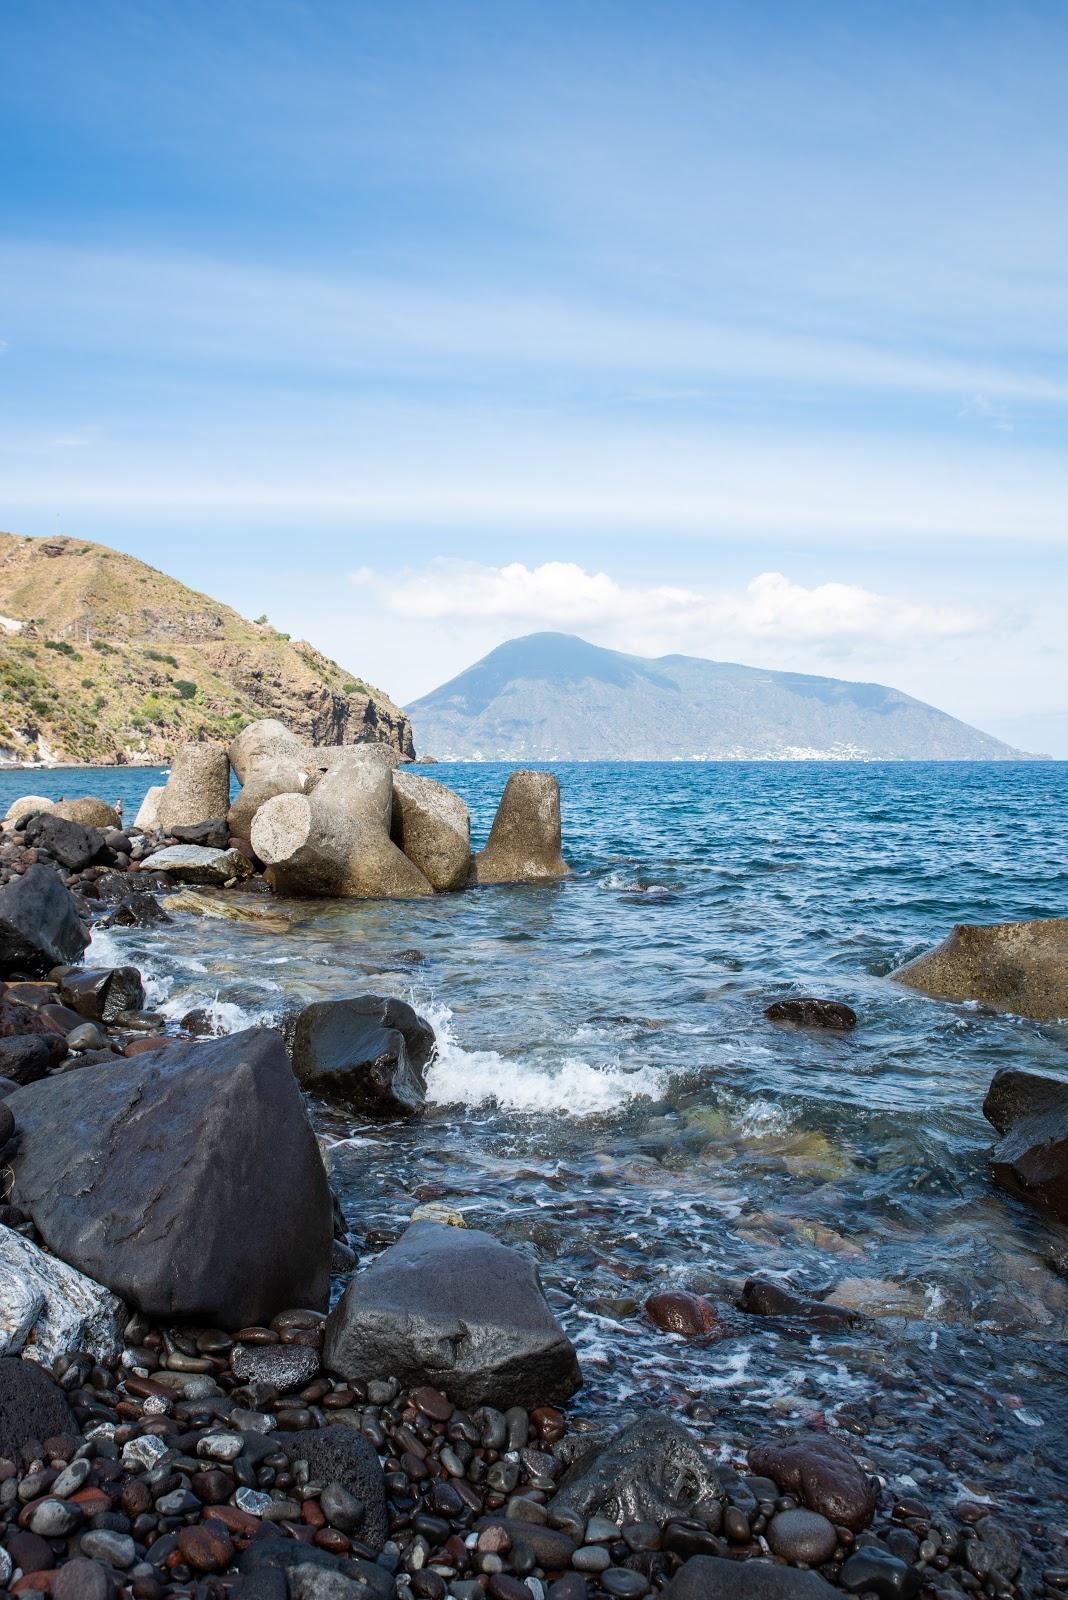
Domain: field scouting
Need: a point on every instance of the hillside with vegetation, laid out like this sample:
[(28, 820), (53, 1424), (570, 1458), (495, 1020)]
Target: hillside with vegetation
[(105, 660)]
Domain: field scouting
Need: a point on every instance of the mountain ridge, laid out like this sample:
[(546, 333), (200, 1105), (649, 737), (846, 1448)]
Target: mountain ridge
[(106, 660), (554, 696)]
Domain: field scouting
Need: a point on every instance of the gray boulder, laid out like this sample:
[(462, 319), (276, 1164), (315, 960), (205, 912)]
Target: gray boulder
[(32, 1406), (524, 842), (652, 1470), (198, 787), (26, 806), (1030, 1111), (455, 1308), (39, 924), (147, 818), (61, 1308), (433, 828), (72, 844), (89, 809), (369, 1053), (1020, 967), (716, 1578), (335, 840), (261, 741), (194, 863), (287, 773), (188, 1180)]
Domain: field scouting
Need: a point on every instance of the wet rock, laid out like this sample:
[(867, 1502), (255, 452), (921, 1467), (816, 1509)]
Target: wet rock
[(651, 1471), (287, 1366), (432, 826), (993, 1552), (315, 1574), (802, 1536), (186, 1179), (552, 1548), (713, 1578), (454, 1308), (32, 1406), (91, 811), (82, 1579), (876, 1297), (198, 788), (370, 1053), (39, 924), (136, 911), (102, 993), (524, 841), (1020, 967), (679, 1311), (27, 1058), (763, 1299), (70, 843), (821, 1472), (1030, 1111), (874, 1571), (805, 1011), (61, 1308), (193, 863), (335, 840)]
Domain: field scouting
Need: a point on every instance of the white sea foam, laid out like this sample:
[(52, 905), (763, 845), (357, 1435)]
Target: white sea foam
[(459, 1076)]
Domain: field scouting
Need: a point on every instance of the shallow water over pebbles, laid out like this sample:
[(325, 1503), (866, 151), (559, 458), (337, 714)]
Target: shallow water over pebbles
[(609, 1093)]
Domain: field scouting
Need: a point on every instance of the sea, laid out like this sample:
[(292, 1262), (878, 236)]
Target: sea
[(609, 1097)]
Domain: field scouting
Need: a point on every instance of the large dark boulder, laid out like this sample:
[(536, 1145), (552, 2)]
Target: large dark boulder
[(715, 1578), (806, 1011), (39, 924), (32, 1406), (821, 1472), (136, 911), (188, 1180), (653, 1470), (102, 993), (455, 1308), (1030, 1111), (1020, 967), (369, 1053), (72, 844), (28, 1056)]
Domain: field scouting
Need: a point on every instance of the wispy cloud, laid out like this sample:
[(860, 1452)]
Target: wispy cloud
[(772, 608)]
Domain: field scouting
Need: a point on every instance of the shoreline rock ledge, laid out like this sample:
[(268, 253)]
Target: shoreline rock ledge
[(1020, 967)]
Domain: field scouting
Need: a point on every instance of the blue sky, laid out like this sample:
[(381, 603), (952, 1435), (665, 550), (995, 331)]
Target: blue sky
[(741, 331)]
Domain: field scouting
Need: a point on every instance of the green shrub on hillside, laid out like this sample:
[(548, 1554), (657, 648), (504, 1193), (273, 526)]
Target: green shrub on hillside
[(186, 689)]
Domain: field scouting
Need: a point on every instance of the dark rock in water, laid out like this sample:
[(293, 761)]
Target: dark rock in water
[(763, 1299), (186, 1179), (679, 1311), (213, 835), (714, 1578), (39, 924), (102, 993), (1020, 967), (336, 1455), (821, 1472), (369, 1053), (652, 1471), (455, 1308), (808, 1012), (72, 844), (198, 1022), (1030, 1110), (28, 1057), (993, 1552), (878, 1572), (111, 887), (32, 1406), (136, 911)]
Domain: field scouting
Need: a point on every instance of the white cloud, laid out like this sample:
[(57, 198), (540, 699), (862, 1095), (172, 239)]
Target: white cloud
[(770, 609)]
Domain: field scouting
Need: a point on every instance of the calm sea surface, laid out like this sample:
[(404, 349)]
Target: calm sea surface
[(609, 1095)]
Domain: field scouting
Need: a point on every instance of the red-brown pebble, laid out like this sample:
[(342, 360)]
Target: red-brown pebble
[(678, 1311), (206, 1546)]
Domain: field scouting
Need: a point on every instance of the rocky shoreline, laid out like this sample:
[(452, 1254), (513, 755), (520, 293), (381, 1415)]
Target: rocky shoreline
[(180, 1415)]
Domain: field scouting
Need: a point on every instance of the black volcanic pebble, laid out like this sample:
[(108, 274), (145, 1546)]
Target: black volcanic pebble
[(874, 1571)]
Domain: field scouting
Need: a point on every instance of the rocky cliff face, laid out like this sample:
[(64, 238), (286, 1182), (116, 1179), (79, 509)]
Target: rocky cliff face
[(553, 697), (105, 660)]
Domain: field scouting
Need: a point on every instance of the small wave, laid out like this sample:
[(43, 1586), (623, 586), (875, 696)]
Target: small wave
[(458, 1076)]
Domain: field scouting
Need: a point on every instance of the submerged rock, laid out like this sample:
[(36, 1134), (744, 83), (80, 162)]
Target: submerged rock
[(821, 1472), (39, 924), (369, 1053), (524, 842), (653, 1470), (60, 1309), (805, 1011), (1020, 967), (455, 1308), (1030, 1111), (187, 1179)]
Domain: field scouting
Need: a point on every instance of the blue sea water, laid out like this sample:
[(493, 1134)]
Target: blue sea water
[(609, 1095)]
